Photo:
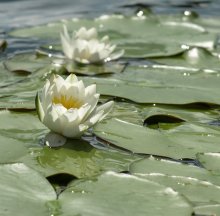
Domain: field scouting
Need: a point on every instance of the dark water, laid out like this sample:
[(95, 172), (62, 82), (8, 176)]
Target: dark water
[(21, 13)]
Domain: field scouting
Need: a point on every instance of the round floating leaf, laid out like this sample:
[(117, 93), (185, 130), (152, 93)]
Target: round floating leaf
[(210, 161), (196, 191), (77, 158), (121, 194), (171, 35), (25, 63), (171, 168), (24, 191), (182, 142)]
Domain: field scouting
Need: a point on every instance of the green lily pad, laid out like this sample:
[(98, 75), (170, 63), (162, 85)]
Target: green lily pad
[(210, 161), (194, 57), (184, 141), (24, 191), (121, 194), (208, 210), (11, 149), (159, 38), (156, 85), (171, 168), (186, 113), (18, 133), (77, 158), (25, 63), (196, 191)]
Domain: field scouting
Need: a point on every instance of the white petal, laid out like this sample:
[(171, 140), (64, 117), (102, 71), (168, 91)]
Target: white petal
[(116, 55), (90, 90), (106, 108), (39, 108), (71, 124), (52, 120), (72, 78), (94, 119)]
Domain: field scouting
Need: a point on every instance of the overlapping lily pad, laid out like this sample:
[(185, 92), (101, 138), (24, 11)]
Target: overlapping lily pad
[(171, 168), (77, 158), (184, 141), (121, 194), (210, 161), (157, 37), (167, 86), (196, 191)]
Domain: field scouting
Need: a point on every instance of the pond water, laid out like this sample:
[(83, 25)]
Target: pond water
[(156, 153)]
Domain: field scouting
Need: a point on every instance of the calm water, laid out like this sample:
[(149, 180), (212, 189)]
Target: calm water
[(20, 13)]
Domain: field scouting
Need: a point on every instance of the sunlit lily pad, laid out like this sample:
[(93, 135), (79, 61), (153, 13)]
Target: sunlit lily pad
[(121, 194), (171, 168), (209, 210), (156, 85), (196, 191), (184, 141), (25, 63), (194, 57), (160, 38), (24, 191), (210, 161)]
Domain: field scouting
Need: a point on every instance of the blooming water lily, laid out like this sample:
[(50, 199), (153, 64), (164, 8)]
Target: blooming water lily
[(67, 108), (85, 47)]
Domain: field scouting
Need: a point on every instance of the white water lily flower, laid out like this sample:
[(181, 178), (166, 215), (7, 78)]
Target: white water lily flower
[(66, 107), (85, 47)]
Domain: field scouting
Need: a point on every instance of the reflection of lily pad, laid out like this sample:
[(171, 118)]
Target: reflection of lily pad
[(170, 35), (121, 194)]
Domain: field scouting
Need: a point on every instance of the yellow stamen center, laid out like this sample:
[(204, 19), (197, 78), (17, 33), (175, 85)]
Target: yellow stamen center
[(67, 102)]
